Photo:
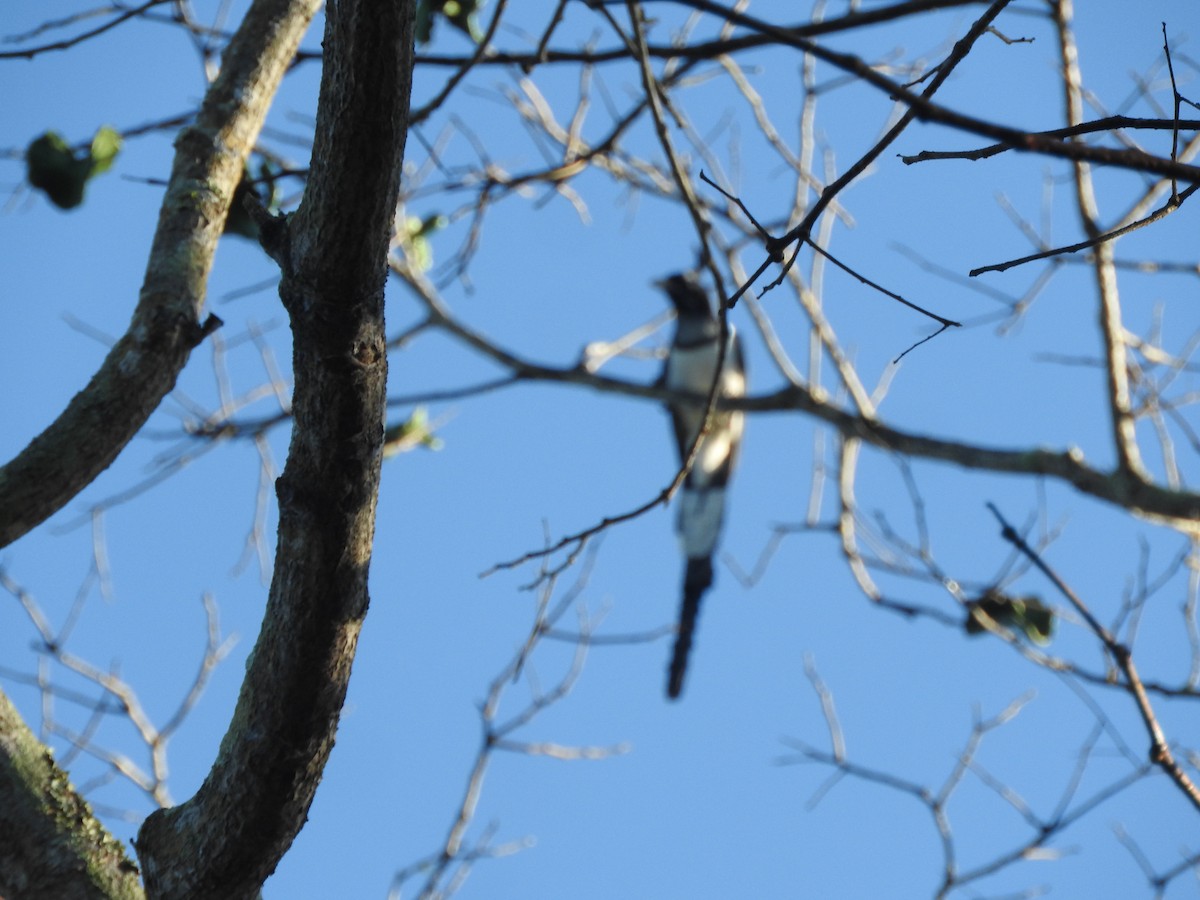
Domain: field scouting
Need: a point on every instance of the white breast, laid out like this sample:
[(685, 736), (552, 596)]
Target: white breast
[(691, 369)]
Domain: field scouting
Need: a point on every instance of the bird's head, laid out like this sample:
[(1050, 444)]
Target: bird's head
[(688, 298)]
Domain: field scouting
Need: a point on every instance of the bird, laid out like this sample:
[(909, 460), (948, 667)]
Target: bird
[(691, 368)]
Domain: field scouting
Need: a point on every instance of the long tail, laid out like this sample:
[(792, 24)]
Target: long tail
[(697, 579)]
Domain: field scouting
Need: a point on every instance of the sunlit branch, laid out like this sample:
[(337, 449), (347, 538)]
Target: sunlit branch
[(1160, 754)]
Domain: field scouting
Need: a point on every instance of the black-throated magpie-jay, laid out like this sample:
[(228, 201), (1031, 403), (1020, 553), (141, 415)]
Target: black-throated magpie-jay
[(691, 368)]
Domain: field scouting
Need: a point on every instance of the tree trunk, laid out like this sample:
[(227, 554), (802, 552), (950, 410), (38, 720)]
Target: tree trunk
[(53, 846), (229, 837)]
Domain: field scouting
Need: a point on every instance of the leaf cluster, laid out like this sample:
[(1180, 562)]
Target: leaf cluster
[(61, 172), (462, 14)]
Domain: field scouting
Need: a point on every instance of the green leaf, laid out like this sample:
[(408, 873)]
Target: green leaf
[(239, 220), (52, 168), (462, 15), (410, 434), (459, 13), (105, 147), (1038, 621), (416, 242), (425, 10), (269, 174), (62, 173), (432, 224), (1027, 615)]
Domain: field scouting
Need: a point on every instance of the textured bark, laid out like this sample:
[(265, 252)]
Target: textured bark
[(143, 365), (52, 845), (54, 848), (229, 837)]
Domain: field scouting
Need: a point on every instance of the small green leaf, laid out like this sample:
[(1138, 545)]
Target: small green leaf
[(416, 242), (1038, 621), (433, 224), (462, 15), (105, 147), (415, 432), (459, 13), (1028, 615), (62, 173), (52, 168), (239, 220), (269, 174), (424, 31)]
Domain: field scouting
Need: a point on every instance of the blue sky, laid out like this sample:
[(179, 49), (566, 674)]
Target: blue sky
[(697, 806)]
